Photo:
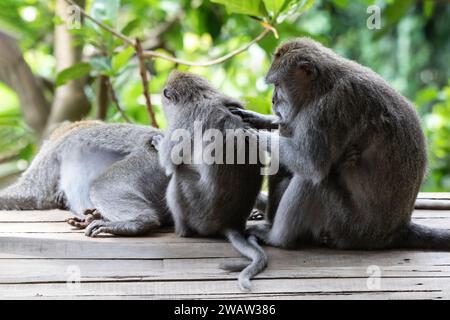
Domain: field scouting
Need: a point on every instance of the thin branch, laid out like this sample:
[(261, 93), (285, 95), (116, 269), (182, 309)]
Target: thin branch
[(102, 97), (102, 25), (113, 96), (154, 54), (143, 72)]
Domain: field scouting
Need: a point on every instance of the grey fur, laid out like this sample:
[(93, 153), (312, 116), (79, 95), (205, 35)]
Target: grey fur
[(108, 167), (356, 152), (209, 200)]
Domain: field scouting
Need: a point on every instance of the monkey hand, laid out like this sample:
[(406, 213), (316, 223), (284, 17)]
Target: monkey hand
[(156, 141), (254, 119)]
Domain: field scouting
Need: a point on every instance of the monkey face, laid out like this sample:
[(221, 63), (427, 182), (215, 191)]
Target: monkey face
[(296, 73)]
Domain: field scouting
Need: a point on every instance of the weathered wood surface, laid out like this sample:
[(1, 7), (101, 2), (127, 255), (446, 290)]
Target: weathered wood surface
[(40, 254)]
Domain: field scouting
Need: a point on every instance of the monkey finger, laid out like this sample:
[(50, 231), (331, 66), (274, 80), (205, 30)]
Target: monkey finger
[(91, 230)]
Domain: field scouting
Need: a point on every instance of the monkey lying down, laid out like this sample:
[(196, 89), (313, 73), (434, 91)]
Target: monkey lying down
[(352, 156), (106, 174)]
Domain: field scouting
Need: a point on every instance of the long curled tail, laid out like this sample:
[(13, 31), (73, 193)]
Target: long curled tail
[(416, 236), (249, 248)]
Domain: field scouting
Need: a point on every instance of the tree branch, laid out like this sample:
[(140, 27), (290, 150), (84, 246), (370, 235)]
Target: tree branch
[(143, 72), (154, 54), (113, 96), (15, 73), (102, 25), (102, 97)]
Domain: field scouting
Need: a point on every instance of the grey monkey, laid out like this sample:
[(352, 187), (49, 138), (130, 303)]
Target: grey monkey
[(355, 151), (209, 199), (108, 175)]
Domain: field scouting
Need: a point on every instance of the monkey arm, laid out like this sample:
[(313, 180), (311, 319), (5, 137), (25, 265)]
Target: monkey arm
[(257, 120), (308, 157)]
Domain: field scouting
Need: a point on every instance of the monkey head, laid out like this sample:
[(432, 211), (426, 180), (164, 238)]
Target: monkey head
[(302, 70), (187, 89)]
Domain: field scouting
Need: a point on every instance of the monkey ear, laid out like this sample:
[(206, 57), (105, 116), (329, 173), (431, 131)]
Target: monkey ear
[(309, 68)]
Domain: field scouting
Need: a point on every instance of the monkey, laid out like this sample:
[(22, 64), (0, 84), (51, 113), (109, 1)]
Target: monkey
[(355, 152), (209, 199), (108, 175)]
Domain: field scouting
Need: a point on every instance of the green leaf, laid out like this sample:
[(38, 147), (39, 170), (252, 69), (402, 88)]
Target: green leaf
[(131, 26), (274, 6), (291, 7), (248, 7), (120, 59), (105, 10), (102, 65), (75, 71), (428, 8)]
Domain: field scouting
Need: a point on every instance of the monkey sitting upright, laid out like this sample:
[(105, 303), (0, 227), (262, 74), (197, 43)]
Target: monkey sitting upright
[(354, 152), (107, 174), (209, 199)]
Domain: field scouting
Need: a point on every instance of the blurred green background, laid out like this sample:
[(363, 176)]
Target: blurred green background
[(411, 51)]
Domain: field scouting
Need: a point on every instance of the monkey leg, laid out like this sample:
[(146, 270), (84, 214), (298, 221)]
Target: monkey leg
[(124, 200), (27, 195), (298, 216), (182, 228), (278, 184)]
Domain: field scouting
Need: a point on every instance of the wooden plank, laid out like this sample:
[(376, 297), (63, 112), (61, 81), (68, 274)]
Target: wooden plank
[(61, 216), (160, 289), (434, 195), (430, 218), (34, 216), (21, 247), (38, 227), (16, 247), (39, 271), (402, 295), (157, 237)]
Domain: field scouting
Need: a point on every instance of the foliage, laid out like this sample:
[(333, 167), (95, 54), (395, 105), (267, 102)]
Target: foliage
[(410, 52)]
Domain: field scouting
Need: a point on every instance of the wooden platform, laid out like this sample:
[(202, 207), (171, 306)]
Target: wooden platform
[(40, 255)]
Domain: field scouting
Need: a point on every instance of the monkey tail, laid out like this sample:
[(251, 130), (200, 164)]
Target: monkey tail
[(416, 236), (429, 204), (250, 249)]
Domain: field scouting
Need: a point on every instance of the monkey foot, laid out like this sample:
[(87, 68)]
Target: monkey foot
[(91, 215), (256, 215)]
